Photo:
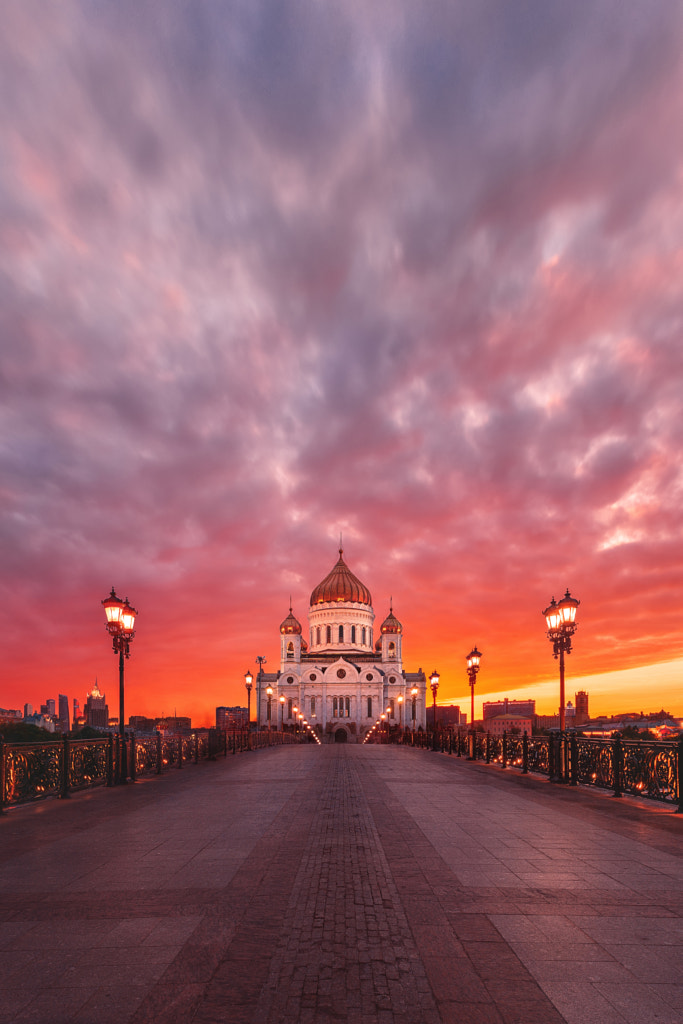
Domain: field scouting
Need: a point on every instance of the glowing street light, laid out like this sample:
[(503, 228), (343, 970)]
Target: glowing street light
[(248, 680), (282, 714), (560, 619), (269, 693), (413, 694), (473, 659), (120, 625)]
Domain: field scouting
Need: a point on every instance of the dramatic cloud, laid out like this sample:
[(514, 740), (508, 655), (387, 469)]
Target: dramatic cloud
[(269, 272)]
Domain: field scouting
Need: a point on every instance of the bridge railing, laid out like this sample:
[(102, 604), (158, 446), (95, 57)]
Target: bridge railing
[(33, 771), (649, 768)]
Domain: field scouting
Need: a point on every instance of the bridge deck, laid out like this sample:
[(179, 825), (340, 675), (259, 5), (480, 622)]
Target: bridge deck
[(361, 884)]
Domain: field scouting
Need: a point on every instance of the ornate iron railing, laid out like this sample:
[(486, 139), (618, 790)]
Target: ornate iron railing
[(646, 768), (33, 771)]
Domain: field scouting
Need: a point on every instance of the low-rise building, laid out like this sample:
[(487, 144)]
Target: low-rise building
[(508, 723)]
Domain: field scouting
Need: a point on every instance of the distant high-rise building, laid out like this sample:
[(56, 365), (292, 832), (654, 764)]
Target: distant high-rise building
[(496, 708), (50, 707), (28, 710), (581, 702), (64, 722), (96, 710)]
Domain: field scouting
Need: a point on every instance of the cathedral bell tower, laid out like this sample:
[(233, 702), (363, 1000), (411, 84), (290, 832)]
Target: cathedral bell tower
[(291, 642), (389, 643)]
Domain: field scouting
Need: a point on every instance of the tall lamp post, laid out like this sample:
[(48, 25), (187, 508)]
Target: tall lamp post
[(413, 694), (472, 668), (561, 622), (400, 713), (434, 683), (282, 714), (121, 627), (261, 662), (269, 693), (248, 680)]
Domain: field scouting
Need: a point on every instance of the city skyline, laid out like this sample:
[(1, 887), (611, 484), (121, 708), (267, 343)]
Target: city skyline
[(270, 275)]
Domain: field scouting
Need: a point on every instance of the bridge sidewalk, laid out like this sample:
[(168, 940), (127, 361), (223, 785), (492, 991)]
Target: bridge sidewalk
[(379, 885)]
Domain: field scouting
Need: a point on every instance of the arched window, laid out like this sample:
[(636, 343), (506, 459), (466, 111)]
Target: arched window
[(341, 634), (363, 636), (353, 634), (335, 705), (369, 707), (371, 636), (392, 648), (290, 704), (318, 634), (347, 707), (290, 649), (329, 634)]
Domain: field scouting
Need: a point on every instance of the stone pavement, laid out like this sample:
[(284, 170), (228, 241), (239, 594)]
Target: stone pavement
[(368, 884)]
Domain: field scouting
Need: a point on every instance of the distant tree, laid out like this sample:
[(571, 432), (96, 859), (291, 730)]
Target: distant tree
[(631, 732), (87, 733), (26, 732)]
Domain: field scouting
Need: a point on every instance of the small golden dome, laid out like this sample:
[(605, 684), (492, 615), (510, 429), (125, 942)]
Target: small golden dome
[(291, 624)]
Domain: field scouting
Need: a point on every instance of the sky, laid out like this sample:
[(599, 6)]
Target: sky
[(409, 272)]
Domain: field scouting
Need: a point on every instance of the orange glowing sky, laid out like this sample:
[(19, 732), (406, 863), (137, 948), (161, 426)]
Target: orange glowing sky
[(272, 272)]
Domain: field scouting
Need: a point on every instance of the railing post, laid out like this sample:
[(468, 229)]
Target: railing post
[(525, 754), (66, 756), (133, 758), (574, 759), (234, 739), (3, 774), (180, 751), (505, 749), (110, 760), (488, 748), (552, 758), (616, 764), (159, 754), (196, 748), (679, 774)]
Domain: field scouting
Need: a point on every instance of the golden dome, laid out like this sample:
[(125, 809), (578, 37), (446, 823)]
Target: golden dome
[(391, 623), (341, 585), (291, 624)]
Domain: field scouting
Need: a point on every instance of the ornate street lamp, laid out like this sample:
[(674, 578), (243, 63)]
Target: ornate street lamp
[(269, 693), (121, 627), (434, 683), (248, 681), (282, 714), (560, 619), (473, 659), (301, 722), (413, 694), (400, 713)]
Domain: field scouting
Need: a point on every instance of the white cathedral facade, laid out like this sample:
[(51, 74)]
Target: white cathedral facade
[(348, 673)]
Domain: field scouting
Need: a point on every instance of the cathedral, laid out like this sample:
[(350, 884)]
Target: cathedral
[(344, 677)]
